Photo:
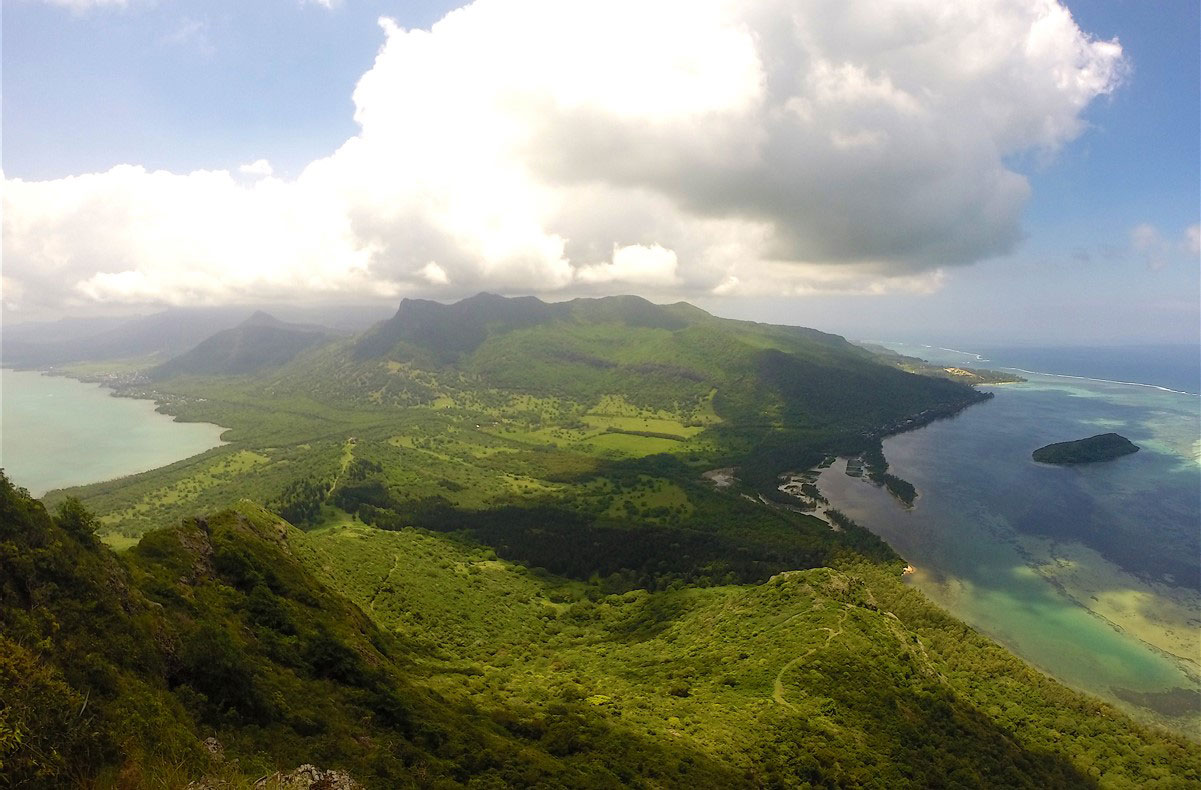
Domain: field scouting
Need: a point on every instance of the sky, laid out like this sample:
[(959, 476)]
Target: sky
[(1001, 171)]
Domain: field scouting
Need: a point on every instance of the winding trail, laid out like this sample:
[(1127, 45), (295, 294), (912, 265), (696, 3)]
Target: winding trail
[(347, 457), (778, 686), (379, 587)]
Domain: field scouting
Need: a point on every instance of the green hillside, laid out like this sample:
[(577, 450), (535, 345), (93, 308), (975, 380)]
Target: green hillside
[(259, 342), (493, 400), (410, 659), (114, 670)]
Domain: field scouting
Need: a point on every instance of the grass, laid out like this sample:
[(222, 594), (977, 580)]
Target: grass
[(658, 494), (631, 445), (736, 674), (118, 542)]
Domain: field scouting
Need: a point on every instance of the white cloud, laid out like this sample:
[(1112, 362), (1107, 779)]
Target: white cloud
[(259, 167), (435, 274), (1148, 243), (1192, 240), (636, 265), (190, 33), (87, 5), (663, 146), (1145, 237), (1156, 251)]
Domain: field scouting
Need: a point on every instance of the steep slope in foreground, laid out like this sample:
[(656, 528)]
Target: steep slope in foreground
[(113, 670), (485, 674)]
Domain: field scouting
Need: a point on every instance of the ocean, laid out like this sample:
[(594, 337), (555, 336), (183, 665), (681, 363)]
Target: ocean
[(57, 432), (1091, 573), (1176, 367)]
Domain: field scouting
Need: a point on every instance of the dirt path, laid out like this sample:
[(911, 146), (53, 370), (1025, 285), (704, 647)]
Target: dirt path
[(379, 587), (778, 686), (347, 457)]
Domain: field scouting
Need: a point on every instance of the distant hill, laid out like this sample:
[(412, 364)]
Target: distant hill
[(62, 330), (446, 333), (972, 375), (156, 337), (162, 334), (767, 383), (258, 343)]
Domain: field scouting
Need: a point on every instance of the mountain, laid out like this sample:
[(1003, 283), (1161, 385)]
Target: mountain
[(159, 336), (776, 389), (658, 355), (258, 343), (162, 335), (446, 333), (576, 390), (64, 329)]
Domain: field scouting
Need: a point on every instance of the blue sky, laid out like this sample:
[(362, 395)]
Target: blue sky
[(1093, 247)]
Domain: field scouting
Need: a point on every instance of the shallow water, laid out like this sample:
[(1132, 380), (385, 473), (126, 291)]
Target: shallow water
[(57, 432), (1002, 542)]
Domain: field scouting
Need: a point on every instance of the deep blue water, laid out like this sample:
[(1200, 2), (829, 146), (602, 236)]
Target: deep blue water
[(1176, 367), (1072, 567)]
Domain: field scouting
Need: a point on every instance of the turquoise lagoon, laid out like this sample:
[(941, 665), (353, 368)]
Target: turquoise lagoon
[(1090, 573), (57, 432)]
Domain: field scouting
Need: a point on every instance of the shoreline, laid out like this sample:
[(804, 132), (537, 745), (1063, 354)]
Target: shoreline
[(157, 409), (118, 389), (1148, 701), (981, 358)]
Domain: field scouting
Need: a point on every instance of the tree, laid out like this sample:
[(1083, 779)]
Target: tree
[(77, 520)]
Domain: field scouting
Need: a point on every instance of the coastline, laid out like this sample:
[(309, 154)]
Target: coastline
[(1161, 620), (144, 441), (120, 385)]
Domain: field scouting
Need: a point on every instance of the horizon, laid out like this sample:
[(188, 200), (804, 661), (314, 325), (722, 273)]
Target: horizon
[(328, 315), (998, 206)]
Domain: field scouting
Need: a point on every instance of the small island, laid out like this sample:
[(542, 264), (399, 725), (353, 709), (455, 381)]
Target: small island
[(1102, 447)]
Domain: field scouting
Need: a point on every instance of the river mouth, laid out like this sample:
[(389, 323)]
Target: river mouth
[(57, 432), (1027, 556)]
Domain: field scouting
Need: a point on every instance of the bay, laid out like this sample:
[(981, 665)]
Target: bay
[(57, 432), (1090, 573)]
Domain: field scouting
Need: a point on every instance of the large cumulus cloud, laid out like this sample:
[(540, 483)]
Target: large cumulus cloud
[(560, 146)]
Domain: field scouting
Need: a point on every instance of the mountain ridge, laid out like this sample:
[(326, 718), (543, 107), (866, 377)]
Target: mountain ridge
[(256, 344)]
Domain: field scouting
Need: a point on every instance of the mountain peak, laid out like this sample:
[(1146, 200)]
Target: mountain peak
[(262, 318)]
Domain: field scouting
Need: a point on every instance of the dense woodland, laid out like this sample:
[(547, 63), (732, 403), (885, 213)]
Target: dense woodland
[(473, 547)]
